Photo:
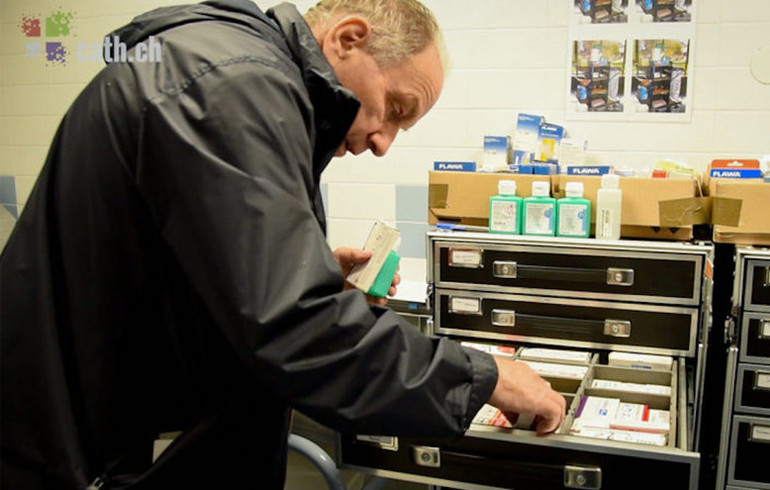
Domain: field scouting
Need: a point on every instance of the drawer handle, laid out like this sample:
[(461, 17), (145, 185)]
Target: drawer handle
[(759, 433), (503, 318), (504, 269), (764, 330), (426, 456), (582, 477), (617, 328), (767, 277), (620, 277), (761, 381)]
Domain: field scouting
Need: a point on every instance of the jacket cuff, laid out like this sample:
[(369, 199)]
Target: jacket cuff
[(484, 372)]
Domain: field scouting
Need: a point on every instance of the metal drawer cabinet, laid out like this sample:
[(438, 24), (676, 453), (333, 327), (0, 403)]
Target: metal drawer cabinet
[(585, 298), (745, 440)]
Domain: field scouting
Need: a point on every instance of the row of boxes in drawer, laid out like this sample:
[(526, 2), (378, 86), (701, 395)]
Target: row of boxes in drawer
[(606, 398), (494, 455)]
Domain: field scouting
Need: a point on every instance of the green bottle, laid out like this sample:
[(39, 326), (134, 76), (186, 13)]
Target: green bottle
[(574, 212), (539, 211), (505, 209)]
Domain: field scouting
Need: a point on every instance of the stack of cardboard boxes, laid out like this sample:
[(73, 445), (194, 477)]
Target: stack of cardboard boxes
[(652, 208)]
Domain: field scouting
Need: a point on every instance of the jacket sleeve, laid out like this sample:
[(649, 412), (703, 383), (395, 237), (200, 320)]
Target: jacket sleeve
[(225, 166)]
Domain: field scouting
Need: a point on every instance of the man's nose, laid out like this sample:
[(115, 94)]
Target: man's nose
[(380, 141)]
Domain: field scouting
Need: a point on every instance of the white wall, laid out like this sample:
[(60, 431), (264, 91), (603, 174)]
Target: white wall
[(507, 56)]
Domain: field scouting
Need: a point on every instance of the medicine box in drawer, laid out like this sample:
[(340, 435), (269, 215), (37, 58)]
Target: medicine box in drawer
[(755, 338), (750, 445), (576, 269), (629, 449), (757, 295), (752, 393)]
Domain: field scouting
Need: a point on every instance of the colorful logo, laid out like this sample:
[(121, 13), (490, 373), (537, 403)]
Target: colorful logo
[(57, 25)]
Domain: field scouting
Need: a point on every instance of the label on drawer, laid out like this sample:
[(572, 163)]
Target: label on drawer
[(468, 306), (765, 334), (465, 257), (760, 433), (388, 443)]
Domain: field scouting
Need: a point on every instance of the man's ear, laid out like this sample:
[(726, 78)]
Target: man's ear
[(344, 37)]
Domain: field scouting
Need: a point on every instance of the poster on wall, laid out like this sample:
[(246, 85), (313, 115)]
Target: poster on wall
[(630, 60)]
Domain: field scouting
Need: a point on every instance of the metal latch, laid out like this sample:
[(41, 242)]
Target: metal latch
[(504, 269), (582, 477), (620, 277), (504, 318), (729, 331), (617, 328), (426, 456)]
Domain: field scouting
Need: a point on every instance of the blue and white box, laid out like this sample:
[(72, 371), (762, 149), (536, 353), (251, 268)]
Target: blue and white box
[(496, 152), (549, 141), (525, 138)]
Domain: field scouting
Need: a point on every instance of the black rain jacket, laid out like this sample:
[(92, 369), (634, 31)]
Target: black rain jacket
[(170, 273)]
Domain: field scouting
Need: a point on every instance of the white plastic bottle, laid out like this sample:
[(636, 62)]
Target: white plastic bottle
[(609, 200)]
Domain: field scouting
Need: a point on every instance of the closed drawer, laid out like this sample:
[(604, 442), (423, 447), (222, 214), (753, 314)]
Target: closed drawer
[(567, 322), (757, 294), (753, 389), (755, 338), (667, 278), (750, 452)]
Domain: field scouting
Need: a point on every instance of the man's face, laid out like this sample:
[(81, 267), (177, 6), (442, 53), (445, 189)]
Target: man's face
[(392, 98)]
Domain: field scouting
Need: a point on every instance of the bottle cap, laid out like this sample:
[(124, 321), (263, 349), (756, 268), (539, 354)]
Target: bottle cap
[(610, 181), (541, 189), (506, 187), (574, 189)]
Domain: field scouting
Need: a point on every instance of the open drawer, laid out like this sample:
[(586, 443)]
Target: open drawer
[(496, 455)]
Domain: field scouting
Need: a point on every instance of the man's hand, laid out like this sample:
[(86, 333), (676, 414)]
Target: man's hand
[(348, 257), (520, 390)]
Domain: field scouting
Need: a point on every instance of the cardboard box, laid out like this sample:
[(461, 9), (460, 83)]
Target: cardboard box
[(463, 197), (664, 209), (740, 211)]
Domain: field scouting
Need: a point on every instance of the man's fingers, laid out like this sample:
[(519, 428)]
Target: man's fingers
[(554, 410)]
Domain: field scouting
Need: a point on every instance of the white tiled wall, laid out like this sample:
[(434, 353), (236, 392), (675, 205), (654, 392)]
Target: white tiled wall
[(506, 56)]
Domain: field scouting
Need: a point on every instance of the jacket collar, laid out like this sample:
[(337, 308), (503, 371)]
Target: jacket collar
[(335, 107)]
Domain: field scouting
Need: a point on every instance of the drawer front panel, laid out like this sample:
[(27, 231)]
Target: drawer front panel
[(501, 464), (556, 321), (753, 389), (758, 285), (750, 443), (755, 338), (669, 279)]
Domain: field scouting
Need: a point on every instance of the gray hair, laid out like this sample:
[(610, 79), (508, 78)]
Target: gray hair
[(400, 28)]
